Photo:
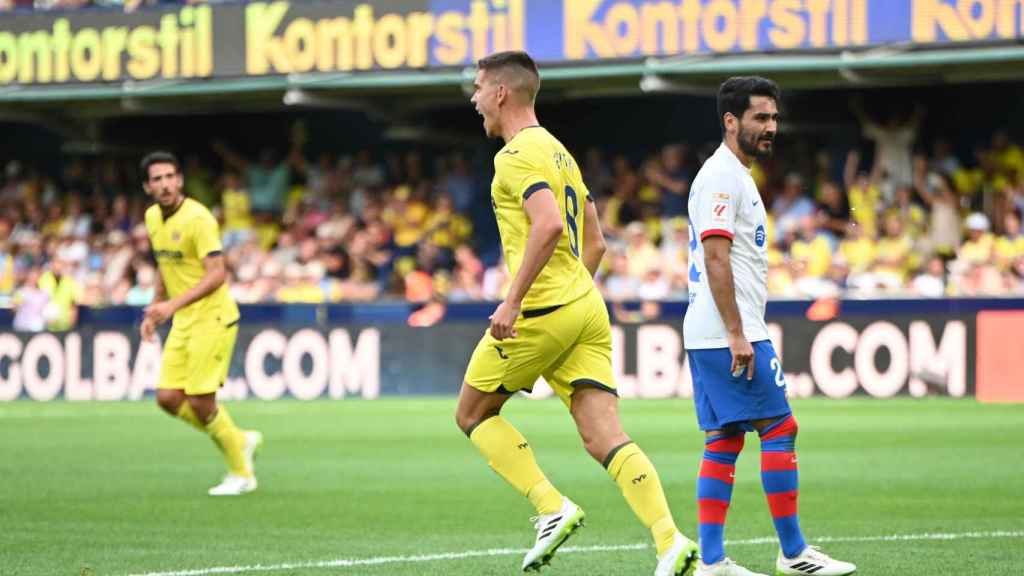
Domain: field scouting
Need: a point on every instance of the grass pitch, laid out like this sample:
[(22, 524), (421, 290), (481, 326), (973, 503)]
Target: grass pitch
[(392, 487)]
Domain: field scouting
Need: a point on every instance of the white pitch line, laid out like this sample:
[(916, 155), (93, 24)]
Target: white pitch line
[(349, 562)]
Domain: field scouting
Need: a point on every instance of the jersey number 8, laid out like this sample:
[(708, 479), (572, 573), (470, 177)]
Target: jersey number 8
[(572, 210)]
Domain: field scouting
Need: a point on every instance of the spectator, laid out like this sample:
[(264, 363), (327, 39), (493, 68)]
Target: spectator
[(893, 144), (833, 211), (266, 180), (654, 286), (1010, 246), (640, 251), (144, 290), (198, 182), (791, 206), (675, 246), (619, 284), (496, 281), (858, 248), (672, 178), (931, 282), (978, 248), (407, 219), (911, 213), (944, 224), (943, 161), (236, 211), (596, 174), (458, 184), (65, 294), (811, 249), (895, 254), (30, 303)]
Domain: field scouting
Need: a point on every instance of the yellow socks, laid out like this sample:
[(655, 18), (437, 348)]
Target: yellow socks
[(231, 441), (509, 454), (633, 472), (185, 413)]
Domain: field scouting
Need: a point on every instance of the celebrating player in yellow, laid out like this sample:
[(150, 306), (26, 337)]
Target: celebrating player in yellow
[(196, 356), (552, 323)]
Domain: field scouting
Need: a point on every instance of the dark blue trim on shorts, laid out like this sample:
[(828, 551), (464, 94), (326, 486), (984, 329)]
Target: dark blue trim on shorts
[(595, 384), (535, 187), (213, 253), (235, 323), (537, 312)]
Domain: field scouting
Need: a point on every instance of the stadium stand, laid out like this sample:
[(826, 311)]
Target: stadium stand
[(363, 227)]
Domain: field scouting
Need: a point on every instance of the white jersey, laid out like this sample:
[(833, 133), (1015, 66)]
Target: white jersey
[(724, 201)]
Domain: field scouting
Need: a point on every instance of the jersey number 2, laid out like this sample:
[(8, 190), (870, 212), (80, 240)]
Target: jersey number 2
[(572, 209), (780, 379)]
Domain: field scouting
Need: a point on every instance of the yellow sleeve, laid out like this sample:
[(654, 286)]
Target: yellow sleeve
[(207, 237), (521, 173)]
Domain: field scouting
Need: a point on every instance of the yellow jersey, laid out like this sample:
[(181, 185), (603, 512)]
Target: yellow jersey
[(179, 244), (533, 160)]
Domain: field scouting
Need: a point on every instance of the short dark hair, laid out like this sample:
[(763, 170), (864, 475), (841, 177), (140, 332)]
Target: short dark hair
[(734, 95), (515, 60), (158, 157)]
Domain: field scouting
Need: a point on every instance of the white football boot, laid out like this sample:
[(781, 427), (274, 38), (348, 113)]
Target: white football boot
[(552, 531), (724, 567), (233, 485), (680, 559), (812, 561)]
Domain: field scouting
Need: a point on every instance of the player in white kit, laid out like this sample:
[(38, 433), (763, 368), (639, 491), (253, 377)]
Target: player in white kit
[(738, 384)]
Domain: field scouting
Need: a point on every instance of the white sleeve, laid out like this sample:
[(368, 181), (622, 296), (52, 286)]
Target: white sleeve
[(717, 205)]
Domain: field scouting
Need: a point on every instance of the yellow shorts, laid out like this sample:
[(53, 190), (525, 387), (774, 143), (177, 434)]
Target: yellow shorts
[(197, 359), (570, 346)]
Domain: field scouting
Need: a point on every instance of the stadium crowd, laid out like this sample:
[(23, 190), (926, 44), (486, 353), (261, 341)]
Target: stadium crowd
[(361, 228)]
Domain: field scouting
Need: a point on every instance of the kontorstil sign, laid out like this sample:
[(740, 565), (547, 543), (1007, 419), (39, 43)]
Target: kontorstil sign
[(272, 38)]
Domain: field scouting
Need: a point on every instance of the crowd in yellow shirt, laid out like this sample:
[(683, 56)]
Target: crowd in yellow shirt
[(369, 228)]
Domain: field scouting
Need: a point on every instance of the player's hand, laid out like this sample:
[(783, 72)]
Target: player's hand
[(148, 330), (742, 356), (160, 312), (503, 321)]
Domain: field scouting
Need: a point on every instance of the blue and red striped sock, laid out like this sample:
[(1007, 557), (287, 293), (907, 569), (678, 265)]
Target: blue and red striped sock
[(714, 492), (780, 479)]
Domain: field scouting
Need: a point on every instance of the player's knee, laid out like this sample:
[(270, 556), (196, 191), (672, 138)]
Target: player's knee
[(599, 443), (462, 421), (596, 448), (204, 407), (169, 400), (467, 419), (783, 426)]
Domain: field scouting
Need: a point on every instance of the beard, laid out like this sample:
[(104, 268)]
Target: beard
[(750, 144)]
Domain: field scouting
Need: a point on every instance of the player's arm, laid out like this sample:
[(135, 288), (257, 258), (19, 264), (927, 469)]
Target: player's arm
[(148, 327), (717, 249), (716, 211), (214, 275), (593, 239), (545, 231)]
